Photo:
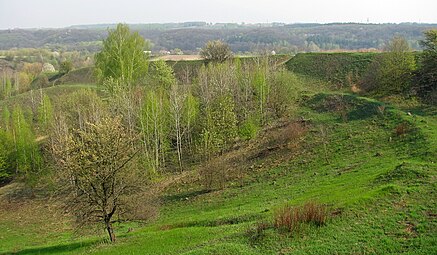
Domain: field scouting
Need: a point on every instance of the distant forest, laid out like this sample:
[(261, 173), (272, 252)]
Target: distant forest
[(189, 37)]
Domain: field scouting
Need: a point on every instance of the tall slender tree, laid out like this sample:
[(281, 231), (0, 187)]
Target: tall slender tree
[(155, 127), (27, 158), (123, 57), (45, 112)]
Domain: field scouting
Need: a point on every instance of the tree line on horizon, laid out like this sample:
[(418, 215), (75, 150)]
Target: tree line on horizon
[(242, 39)]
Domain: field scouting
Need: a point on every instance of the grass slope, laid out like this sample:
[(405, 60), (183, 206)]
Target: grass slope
[(343, 69), (28, 98), (78, 76), (380, 187)]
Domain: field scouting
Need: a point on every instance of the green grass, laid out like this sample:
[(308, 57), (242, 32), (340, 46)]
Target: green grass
[(382, 186), (338, 68), (78, 76)]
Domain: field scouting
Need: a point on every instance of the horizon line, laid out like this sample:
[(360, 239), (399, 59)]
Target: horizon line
[(74, 26)]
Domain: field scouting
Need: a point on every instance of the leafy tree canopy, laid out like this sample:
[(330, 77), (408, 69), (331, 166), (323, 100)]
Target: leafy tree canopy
[(428, 66), (216, 51), (122, 57)]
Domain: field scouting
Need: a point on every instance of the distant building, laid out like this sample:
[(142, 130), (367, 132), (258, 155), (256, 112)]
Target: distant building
[(177, 51), (164, 52), (48, 68)]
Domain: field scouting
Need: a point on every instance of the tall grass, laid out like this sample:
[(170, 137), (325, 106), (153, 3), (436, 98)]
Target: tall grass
[(291, 219)]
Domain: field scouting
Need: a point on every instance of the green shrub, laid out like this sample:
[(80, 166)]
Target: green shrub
[(219, 125), (391, 73), (6, 167), (284, 93), (66, 67), (426, 85), (249, 128)]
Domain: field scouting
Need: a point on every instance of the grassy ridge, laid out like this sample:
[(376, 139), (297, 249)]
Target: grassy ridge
[(339, 68), (78, 76)]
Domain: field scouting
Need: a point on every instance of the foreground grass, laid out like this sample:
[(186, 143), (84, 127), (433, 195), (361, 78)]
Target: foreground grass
[(380, 187)]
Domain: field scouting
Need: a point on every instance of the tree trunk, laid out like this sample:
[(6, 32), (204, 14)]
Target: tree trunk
[(179, 142), (110, 231)]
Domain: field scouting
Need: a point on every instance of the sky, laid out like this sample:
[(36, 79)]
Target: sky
[(64, 13)]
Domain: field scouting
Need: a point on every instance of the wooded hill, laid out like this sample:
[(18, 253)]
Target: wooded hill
[(189, 37)]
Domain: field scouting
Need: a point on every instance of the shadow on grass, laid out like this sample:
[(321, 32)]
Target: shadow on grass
[(423, 110), (363, 110), (185, 195), (233, 220), (56, 249), (353, 106)]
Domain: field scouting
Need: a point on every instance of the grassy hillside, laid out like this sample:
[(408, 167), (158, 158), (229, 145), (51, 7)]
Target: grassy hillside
[(78, 76), (82, 76), (31, 97), (342, 69), (184, 69), (371, 163)]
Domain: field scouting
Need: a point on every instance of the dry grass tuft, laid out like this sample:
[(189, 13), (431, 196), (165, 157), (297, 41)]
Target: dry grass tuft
[(314, 213), (291, 219), (401, 129)]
